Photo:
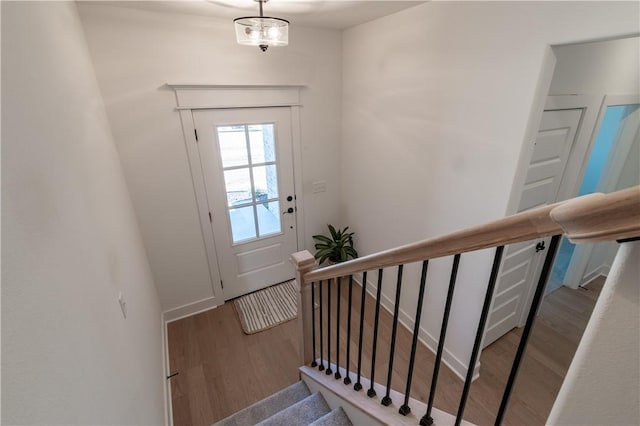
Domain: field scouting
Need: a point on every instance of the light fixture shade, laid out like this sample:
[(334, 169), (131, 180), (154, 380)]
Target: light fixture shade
[(262, 31)]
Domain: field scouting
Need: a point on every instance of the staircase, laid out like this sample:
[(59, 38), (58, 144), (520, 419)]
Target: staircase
[(294, 405), (591, 218), (595, 217)]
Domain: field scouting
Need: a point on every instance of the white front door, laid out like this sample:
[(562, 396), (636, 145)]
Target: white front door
[(247, 163), (522, 262)]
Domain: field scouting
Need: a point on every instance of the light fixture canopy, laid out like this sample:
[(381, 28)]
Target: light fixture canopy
[(262, 31)]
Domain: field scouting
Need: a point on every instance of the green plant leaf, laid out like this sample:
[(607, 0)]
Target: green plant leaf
[(334, 233), (351, 252), (323, 239), (338, 246)]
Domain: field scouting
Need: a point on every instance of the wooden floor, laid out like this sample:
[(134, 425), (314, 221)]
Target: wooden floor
[(222, 370)]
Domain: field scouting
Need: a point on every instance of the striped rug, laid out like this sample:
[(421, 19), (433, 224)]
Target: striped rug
[(267, 308)]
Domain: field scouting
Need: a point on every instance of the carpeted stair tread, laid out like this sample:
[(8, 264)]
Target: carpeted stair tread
[(269, 406), (301, 413), (336, 417)]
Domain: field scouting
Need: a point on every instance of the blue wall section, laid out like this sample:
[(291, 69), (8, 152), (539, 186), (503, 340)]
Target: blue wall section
[(593, 173), (601, 149)]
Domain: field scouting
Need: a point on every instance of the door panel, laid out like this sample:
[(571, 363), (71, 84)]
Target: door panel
[(261, 258), (550, 143), (247, 164), (543, 169), (520, 267)]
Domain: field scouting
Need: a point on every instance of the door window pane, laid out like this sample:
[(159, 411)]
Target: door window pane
[(262, 142), (243, 224), (269, 218), (265, 179), (251, 180), (233, 146), (238, 186)]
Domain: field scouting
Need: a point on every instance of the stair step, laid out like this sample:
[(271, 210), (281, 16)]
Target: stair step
[(336, 417), (387, 415), (301, 413), (269, 406)]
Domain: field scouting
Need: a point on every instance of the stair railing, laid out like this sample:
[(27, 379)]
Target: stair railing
[(595, 217)]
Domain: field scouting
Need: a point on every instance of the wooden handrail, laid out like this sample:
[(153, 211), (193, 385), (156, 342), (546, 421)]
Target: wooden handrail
[(601, 217), (594, 217), (511, 229)]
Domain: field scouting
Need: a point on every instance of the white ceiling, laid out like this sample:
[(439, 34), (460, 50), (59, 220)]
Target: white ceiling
[(337, 14)]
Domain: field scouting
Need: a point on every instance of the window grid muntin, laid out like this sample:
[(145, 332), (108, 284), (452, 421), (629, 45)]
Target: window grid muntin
[(250, 165)]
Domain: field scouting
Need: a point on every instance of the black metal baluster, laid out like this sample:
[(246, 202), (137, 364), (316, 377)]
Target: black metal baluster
[(321, 322), (526, 333), (313, 323), (386, 401), (338, 375), (371, 392), (347, 380), (405, 409), (479, 333), (328, 370), (363, 298), (427, 420)]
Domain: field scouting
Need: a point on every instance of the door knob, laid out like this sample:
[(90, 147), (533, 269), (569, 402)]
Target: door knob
[(289, 198), (289, 210), (540, 246)]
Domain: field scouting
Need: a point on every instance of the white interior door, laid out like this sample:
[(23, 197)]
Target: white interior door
[(247, 163), (522, 262)]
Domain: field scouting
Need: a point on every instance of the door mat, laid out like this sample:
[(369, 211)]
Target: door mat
[(268, 307)]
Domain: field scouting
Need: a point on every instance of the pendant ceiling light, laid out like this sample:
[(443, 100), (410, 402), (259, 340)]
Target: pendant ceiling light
[(262, 31)]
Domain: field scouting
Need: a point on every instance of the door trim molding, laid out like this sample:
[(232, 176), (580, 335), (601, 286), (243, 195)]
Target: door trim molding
[(200, 193), (213, 96), (578, 156), (191, 97)]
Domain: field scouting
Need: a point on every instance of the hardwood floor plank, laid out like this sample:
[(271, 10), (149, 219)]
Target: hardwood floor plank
[(199, 407), (181, 411)]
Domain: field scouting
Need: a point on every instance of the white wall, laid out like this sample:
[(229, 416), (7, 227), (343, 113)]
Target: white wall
[(602, 384), (135, 53), (436, 102), (70, 240)]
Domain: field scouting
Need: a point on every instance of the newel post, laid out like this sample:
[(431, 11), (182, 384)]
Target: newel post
[(303, 262)]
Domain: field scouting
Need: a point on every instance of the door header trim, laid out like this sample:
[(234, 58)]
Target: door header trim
[(207, 96)]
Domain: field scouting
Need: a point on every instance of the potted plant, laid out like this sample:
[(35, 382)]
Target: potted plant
[(336, 248)]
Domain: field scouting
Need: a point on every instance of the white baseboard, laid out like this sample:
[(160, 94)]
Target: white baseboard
[(458, 367), (167, 317), (190, 309), (601, 270), (168, 408)]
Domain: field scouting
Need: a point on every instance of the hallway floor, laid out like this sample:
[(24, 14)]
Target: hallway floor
[(222, 370)]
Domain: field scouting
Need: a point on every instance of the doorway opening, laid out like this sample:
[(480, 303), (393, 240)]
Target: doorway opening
[(610, 137), (586, 141), (247, 162)]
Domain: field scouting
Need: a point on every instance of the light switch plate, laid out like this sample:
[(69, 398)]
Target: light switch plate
[(319, 186)]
